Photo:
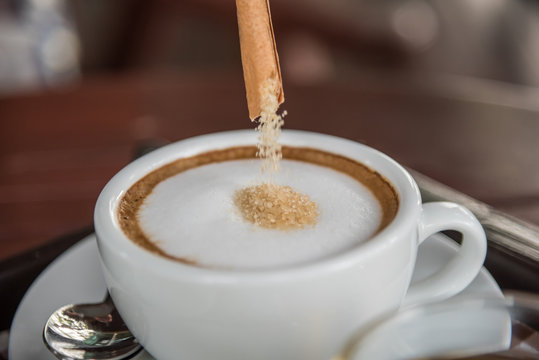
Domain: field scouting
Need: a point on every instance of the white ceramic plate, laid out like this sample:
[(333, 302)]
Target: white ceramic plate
[(75, 277)]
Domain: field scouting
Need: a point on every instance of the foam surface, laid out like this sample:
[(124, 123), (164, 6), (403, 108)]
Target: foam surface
[(192, 215)]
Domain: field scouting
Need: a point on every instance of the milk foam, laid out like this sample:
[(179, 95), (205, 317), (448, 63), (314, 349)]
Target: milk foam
[(192, 215)]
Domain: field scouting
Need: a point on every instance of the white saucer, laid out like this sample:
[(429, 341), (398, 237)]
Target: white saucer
[(75, 277)]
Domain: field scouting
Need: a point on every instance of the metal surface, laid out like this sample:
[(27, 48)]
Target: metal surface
[(89, 331)]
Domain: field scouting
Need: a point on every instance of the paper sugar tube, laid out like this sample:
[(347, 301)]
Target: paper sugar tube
[(258, 52)]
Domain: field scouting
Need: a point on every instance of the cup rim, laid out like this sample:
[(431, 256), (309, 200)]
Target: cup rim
[(110, 237)]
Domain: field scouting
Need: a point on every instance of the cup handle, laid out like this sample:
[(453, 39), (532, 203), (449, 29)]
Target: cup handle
[(460, 271)]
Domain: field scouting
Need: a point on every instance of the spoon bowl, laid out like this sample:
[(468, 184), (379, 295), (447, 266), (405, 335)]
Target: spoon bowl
[(89, 331)]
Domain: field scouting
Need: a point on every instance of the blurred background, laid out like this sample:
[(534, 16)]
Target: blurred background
[(48, 43), (449, 88)]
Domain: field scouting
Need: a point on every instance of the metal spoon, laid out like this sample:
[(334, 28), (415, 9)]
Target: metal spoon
[(89, 331)]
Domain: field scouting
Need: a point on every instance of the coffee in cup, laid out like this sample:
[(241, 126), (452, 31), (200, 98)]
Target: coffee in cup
[(185, 211)]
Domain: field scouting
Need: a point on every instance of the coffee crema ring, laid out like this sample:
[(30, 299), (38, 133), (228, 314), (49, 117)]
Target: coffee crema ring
[(133, 199)]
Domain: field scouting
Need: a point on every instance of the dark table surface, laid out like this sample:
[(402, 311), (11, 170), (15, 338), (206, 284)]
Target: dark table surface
[(59, 148)]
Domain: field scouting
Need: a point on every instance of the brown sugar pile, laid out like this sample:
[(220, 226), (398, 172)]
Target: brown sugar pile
[(276, 207)]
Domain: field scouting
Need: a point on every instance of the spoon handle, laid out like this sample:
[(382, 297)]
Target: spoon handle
[(504, 231)]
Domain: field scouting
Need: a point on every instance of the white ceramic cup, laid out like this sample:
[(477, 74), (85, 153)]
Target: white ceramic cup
[(178, 311)]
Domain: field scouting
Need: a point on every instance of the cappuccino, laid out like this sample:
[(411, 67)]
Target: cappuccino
[(185, 210)]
